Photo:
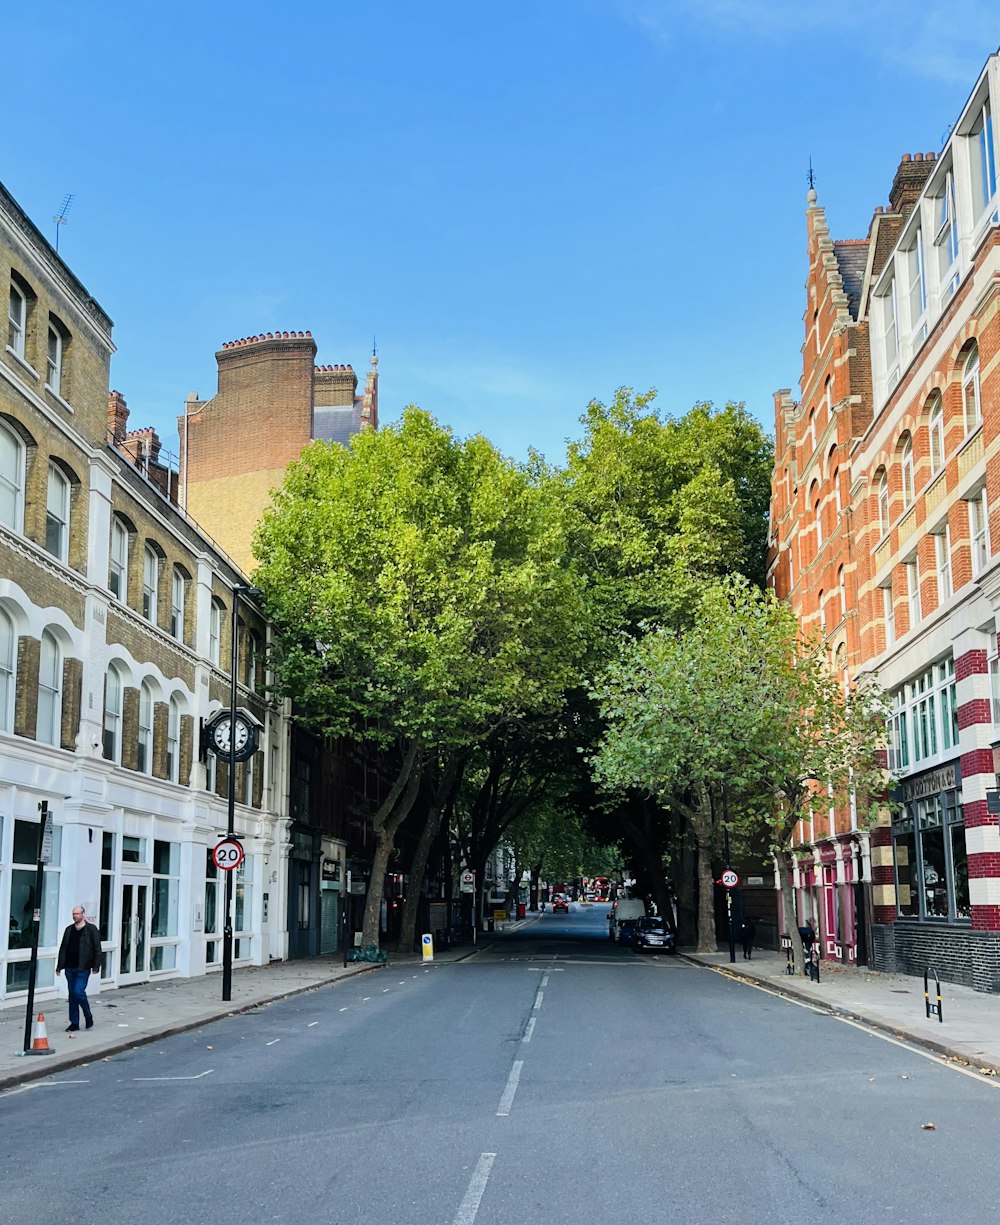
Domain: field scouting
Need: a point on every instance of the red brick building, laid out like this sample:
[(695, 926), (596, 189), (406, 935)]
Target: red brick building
[(884, 517)]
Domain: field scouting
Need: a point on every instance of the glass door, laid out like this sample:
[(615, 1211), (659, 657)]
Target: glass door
[(133, 952)]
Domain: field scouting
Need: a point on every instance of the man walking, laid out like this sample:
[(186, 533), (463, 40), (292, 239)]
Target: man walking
[(79, 953), (747, 932)]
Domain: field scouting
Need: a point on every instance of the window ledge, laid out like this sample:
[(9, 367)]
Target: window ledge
[(21, 362), (58, 399)]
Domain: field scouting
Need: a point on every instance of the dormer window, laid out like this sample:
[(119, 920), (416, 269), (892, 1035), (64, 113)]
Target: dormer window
[(984, 162)]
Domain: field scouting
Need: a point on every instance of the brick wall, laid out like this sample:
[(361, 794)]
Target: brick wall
[(959, 954)]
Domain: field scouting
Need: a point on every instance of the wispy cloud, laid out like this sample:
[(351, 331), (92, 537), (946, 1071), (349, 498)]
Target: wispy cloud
[(937, 40)]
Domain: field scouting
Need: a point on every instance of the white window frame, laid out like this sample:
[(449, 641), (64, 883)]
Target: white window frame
[(979, 531), (916, 275), (173, 740), (983, 162), (946, 238), (913, 591), (993, 661), (118, 563), (8, 670), (114, 690), (942, 561), (12, 461), (971, 392), (215, 632), (883, 504), (54, 359), (177, 601), (935, 428), (890, 333), (48, 724), (906, 473), (150, 583), (144, 730), (889, 614), (57, 510), (17, 320)]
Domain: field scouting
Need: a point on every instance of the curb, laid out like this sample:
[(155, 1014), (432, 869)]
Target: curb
[(838, 1010), (44, 1067)]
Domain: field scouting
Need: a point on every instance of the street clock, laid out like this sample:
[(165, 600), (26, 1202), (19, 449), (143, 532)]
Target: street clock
[(227, 739)]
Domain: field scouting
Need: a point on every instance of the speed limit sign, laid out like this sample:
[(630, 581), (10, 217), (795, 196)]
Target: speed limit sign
[(228, 854), (729, 879)]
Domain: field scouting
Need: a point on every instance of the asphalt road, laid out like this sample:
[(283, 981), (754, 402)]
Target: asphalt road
[(550, 1078)]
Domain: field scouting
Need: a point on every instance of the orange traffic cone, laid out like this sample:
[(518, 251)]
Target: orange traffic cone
[(39, 1038)]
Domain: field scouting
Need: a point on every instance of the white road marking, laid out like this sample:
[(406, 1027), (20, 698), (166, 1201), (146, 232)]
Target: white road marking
[(528, 1030), (272, 1042), (508, 1094), (366, 999), (198, 1077), (343, 1010), (545, 979), (477, 1185), (538, 999), (311, 1024), (385, 989)]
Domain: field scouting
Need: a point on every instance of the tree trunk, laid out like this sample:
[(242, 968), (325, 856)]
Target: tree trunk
[(418, 869), (708, 941), (788, 916), (387, 820)]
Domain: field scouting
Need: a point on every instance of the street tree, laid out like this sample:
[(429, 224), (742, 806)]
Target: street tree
[(421, 596), (740, 702)]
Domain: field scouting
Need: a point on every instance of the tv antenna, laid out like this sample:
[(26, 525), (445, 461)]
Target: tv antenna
[(812, 175), (60, 217)]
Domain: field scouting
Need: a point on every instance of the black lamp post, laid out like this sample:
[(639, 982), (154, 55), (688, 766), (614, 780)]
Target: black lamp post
[(227, 931)]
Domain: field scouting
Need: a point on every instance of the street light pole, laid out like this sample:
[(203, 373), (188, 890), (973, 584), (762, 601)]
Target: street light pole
[(227, 931)]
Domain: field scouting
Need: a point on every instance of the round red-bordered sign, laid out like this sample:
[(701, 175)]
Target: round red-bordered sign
[(228, 854), (729, 879)]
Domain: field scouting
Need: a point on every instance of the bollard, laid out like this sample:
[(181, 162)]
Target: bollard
[(933, 1009)]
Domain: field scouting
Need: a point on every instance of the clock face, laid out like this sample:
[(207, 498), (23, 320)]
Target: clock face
[(222, 738)]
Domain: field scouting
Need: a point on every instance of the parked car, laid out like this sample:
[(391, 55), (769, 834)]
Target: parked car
[(653, 933), (560, 903), (626, 931)]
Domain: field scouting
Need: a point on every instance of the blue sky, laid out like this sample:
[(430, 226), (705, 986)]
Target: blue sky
[(528, 203)]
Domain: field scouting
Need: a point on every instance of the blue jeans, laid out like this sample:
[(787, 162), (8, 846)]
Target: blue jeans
[(76, 980)]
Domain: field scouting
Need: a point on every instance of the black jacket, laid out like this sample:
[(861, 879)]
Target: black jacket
[(90, 949)]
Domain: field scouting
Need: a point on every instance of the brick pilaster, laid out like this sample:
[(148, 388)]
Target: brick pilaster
[(26, 686)]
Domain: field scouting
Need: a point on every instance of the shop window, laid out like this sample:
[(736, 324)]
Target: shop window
[(106, 917), (23, 900), (213, 946), (931, 864), (166, 898), (243, 910)]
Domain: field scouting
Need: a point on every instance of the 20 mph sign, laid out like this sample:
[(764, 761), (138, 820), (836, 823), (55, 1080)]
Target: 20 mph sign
[(729, 879), (228, 854)]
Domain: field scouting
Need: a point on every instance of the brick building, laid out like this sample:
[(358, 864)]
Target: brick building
[(272, 401), (900, 496), (115, 625)]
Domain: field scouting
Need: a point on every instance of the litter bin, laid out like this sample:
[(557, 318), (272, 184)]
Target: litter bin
[(521, 910)]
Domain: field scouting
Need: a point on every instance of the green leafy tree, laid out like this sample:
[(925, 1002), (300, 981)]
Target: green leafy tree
[(740, 701), (421, 597)]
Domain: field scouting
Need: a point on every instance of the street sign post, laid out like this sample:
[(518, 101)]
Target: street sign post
[(228, 854), (427, 946), (729, 879), (468, 882)]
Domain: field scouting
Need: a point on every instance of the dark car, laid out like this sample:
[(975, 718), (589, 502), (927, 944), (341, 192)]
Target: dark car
[(560, 903), (653, 934)]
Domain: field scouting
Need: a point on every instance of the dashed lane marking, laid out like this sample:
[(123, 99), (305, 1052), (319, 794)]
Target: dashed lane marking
[(511, 1088), (528, 1030), (469, 1206)]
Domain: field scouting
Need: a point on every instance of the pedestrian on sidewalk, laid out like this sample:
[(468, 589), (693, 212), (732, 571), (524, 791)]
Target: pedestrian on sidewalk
[(747, 932), (79, 953)]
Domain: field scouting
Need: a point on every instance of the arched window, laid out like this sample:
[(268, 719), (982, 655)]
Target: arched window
[(818, 516), (935, 427), (883, 502), (215, 632), (57, 514), (838, 499), (970, 391), (113, 714), (144, 758), (11, 479), (8, 660), (150, 583), (811, 436), (906, 470), (118, 567), (48, 727), (173, 740), (822, 611)]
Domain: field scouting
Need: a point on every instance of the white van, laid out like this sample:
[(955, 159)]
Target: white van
[(625, 910)]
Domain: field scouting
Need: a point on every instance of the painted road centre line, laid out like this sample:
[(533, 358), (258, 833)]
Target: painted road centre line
[(539, 996), (508, 1094), (477, 1185), (528, 1030)]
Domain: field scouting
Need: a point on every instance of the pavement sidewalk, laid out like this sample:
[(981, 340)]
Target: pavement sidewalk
[(133, 1016), (891, 1003)]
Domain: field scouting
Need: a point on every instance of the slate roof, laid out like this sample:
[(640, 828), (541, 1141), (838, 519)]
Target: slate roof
[(852, 259), (337, 424)]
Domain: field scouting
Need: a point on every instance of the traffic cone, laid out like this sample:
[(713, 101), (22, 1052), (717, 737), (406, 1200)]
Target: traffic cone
[(39, 1038)]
